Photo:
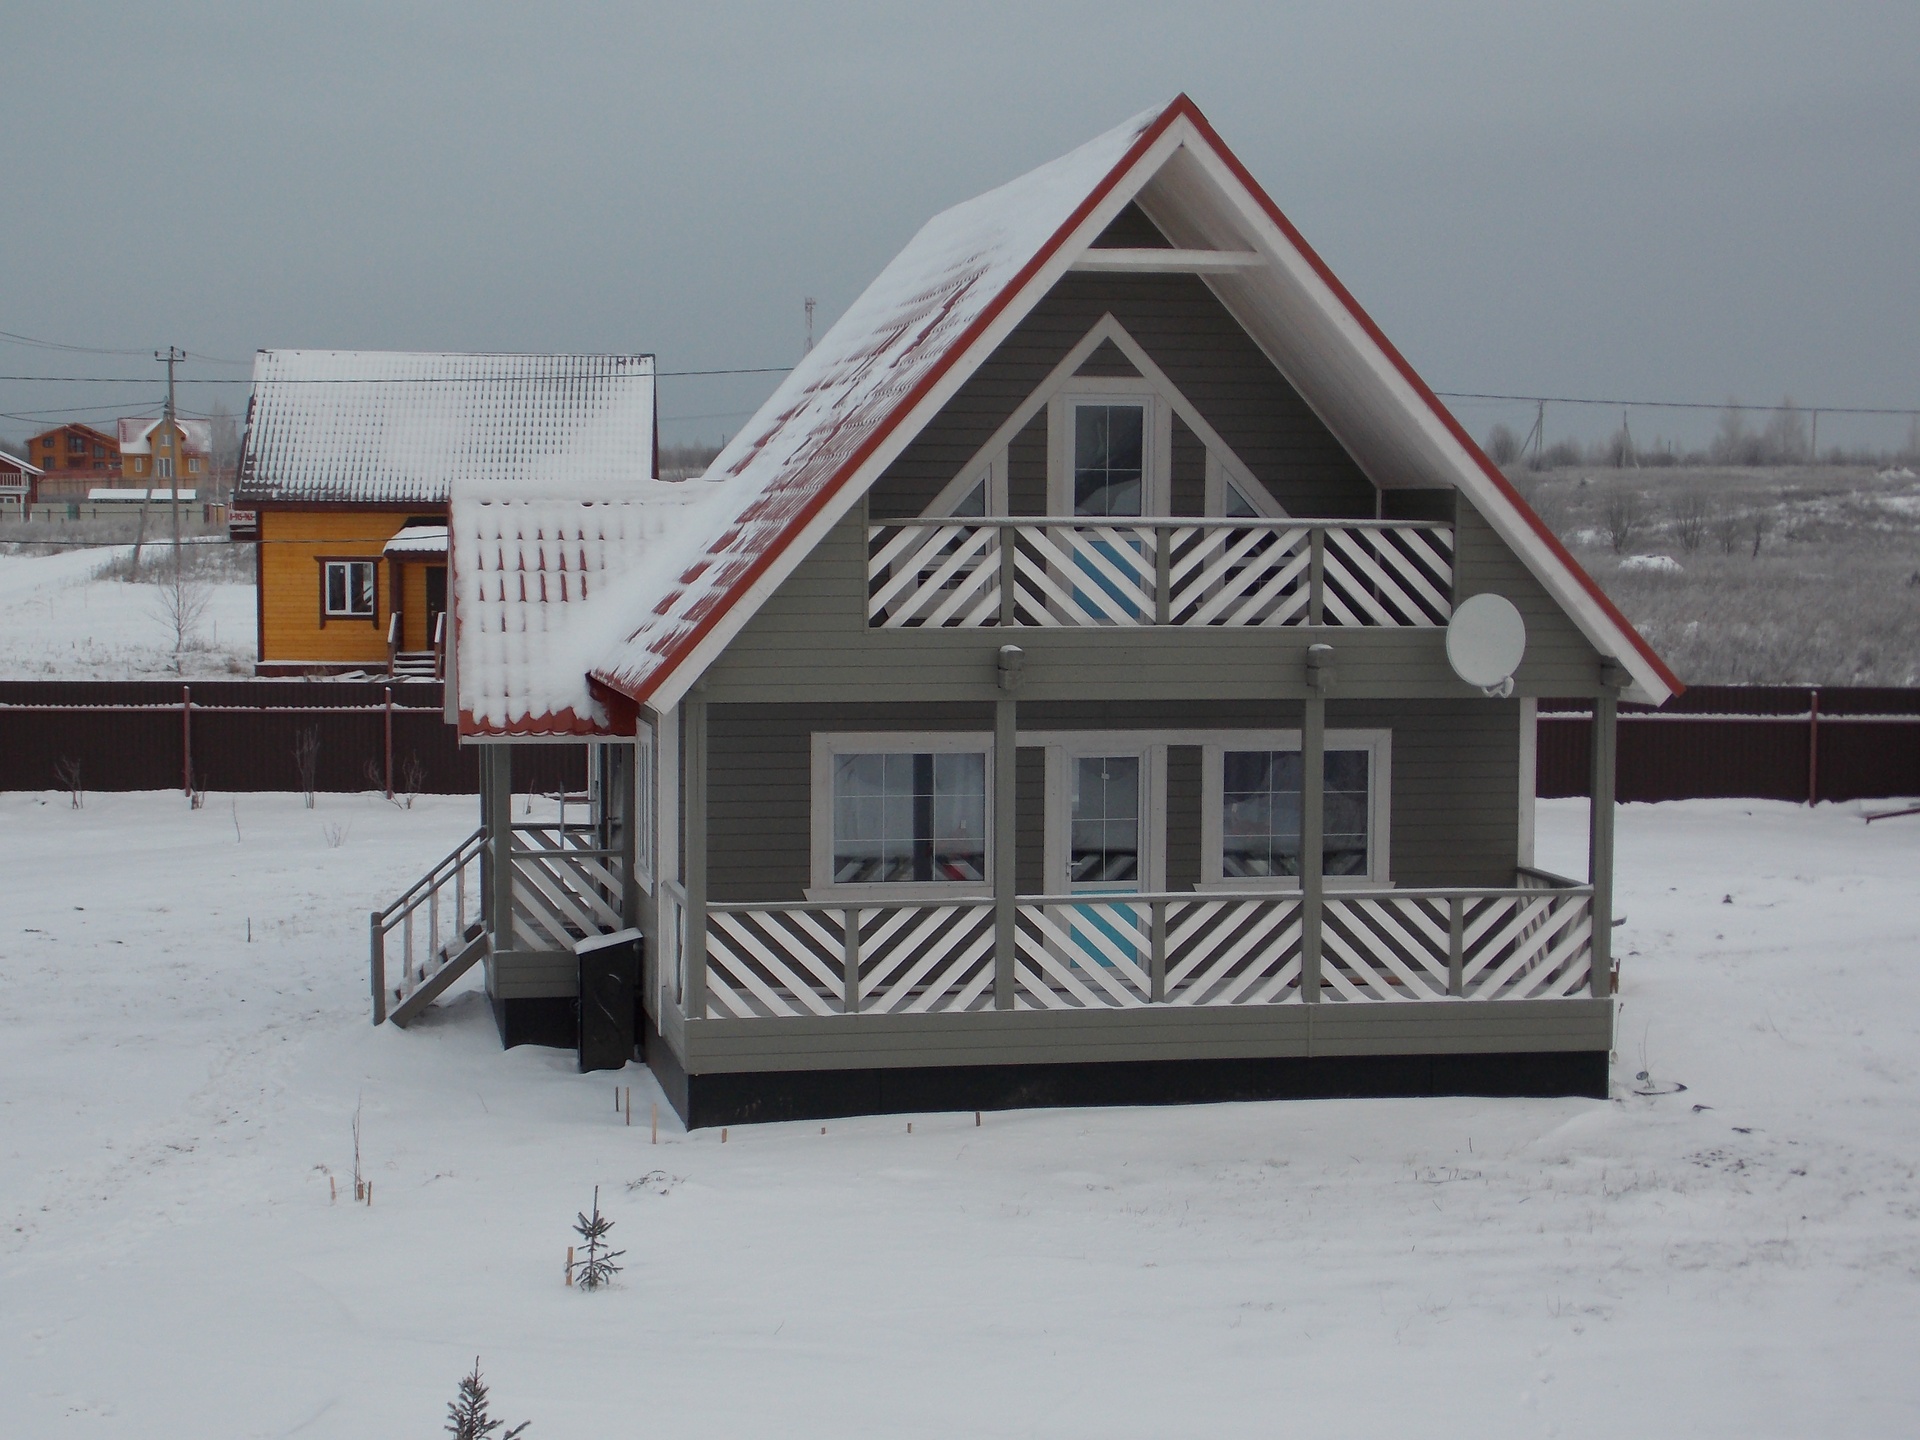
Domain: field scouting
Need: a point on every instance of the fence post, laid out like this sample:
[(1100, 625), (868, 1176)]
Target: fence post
[(186, 740), (389, 718), (1813, 746)]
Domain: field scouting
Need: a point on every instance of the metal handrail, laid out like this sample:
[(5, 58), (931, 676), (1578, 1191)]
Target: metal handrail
[(1561, 885), (458, 856), (424, 891)]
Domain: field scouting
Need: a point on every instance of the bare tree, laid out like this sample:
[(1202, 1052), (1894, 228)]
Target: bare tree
[(1729, 531), (67, 772), (1759, 522), (306, 759), (1623, 519), (1691, 513), (180, 602), (1785, 438), (1503, 446)]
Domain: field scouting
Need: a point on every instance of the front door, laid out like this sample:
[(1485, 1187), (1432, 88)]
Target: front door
[(436, 598)]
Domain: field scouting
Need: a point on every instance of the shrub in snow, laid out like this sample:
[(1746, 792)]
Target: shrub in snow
[(1657, 564), (467, 1417), (598, 1268)]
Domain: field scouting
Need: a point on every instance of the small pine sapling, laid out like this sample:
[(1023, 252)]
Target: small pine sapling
[(598, 1268), (467, 1417)]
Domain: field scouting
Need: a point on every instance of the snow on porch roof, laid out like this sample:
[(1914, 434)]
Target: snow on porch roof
[(418, 540), (536, 584), (400, 428), (938, 310)]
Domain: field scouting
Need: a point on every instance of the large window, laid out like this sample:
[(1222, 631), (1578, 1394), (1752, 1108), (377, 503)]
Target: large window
[(1252, 808), (899, 811), (347, 589)]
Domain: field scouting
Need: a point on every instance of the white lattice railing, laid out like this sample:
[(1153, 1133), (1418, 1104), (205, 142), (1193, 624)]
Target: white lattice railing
[(1528, 942), (564, 887), (1049, 572), (823, 959)]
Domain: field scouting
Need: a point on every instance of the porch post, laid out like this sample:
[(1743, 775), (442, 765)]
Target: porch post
[(1313, 784), (1600, 831), (496, 779), (693, 745), (1006, 739)]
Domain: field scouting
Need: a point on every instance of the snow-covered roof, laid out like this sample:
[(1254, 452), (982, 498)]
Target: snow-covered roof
[(958, 289), (15, 462), (418, 540), (114, 494), (136, 434), (400, 428), (537, 582)]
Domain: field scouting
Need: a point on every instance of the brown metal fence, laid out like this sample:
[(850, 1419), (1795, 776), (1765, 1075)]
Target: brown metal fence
[(251, 735), (1746, 741), (1762, 742)]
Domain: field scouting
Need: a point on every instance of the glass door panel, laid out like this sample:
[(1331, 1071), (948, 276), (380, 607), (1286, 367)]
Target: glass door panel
[(1105, 827)]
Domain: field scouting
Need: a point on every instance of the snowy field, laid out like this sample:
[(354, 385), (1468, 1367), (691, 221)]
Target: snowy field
[(1740, 1258), (58, 622)]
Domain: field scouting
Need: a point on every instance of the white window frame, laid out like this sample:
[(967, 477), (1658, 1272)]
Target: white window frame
[(1062, 749), (1156, 440), (326, 590), (1379, 744), (828, 745)]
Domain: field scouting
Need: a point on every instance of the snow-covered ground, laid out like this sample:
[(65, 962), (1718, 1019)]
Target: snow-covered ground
[(1739, 1258), (57, 622)]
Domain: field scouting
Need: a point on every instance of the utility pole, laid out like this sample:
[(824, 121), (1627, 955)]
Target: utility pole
[(173, 465), (809, 303)]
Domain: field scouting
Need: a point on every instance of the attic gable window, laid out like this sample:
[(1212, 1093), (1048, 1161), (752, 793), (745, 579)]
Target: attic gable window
[(1109, 459)]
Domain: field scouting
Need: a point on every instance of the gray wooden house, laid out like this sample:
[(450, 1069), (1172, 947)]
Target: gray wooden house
[(1047, 698)]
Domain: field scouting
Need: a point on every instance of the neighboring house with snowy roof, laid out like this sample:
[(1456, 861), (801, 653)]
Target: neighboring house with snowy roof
[(1102, 670), (19, 485), (347, 467), (152, 450)]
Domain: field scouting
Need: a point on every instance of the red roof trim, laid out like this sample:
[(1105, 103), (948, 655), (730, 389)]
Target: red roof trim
[(1441, 413), (551, 725), (684, 645)]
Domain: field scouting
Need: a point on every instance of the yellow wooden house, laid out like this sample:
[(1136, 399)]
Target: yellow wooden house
[(348, 464)]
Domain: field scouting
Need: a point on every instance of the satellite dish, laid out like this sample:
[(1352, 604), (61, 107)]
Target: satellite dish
[(1486, 640)]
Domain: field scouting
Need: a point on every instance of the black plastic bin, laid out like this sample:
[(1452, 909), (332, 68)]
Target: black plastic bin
[(609, 986)]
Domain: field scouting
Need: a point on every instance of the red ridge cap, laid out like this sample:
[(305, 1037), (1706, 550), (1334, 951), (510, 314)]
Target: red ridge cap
[(1444, 415)]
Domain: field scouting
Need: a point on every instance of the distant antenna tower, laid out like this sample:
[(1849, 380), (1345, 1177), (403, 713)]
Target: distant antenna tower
[(809, 303)]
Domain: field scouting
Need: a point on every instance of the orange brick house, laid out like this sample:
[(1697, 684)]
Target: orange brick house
[(347, 464), (152, 451)]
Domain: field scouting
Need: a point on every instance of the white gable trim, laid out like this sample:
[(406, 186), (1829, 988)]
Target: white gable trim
[(1064, 377)]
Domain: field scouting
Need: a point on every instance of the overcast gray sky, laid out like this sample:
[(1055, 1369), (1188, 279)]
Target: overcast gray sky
[(1666, 200)]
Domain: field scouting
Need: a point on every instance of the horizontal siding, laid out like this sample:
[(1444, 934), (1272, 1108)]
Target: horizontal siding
[(292, 544), (1148, 1033), (1193, 338), (1454, 788), (1556, 649)]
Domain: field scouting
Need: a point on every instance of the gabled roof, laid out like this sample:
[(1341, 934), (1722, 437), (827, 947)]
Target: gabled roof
[(65, 426), (959, 288), (399, 428), (136, 434), (16, 462)]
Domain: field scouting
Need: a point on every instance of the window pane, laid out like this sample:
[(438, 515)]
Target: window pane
[(1108, 459), (1104, 834), (1260, 813), (906, 817), (362, 588), (336, 589)]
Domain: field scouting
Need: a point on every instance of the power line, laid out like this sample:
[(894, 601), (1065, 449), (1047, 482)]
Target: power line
[(1680, 404), (373, 379)]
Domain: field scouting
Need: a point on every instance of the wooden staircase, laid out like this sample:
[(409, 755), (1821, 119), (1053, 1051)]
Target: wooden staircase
[(431, 935)]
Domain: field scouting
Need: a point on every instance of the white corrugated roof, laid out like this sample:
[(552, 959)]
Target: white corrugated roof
[(401, 428), (537, 584), (418, 540)]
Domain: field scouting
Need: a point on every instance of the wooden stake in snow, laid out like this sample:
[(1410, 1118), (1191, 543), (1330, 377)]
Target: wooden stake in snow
[(629, 1104), (333, 1191), (723, 1134), (369, 1194), (909, 1127), (656, 1122), (976, 1119), (569, 1264)]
